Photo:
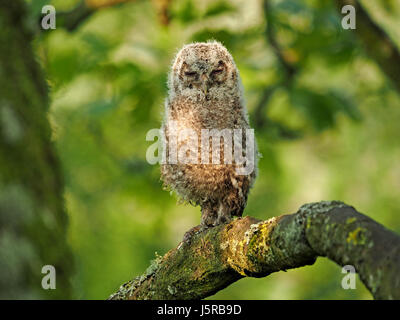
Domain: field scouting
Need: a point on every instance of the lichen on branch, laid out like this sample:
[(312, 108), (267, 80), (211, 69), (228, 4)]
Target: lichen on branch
[(248, 247)]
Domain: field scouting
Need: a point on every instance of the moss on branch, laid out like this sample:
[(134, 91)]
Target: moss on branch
[(248, 247)]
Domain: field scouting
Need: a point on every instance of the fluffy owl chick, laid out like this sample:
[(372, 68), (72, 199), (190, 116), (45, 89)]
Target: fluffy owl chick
[(205, 99)]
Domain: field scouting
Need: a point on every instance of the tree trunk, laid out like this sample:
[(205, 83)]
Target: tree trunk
[(32, 215)]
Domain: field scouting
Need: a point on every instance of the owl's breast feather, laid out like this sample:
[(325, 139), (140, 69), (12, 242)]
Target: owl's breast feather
[(207, 114)]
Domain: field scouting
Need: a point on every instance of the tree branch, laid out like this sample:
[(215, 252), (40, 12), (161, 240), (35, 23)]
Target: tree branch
[(248, 247), (377, 43), (289, 68), (70, 20), (288, 72)]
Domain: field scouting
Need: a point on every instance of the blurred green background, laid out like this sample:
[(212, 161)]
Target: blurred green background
[(326, 118)]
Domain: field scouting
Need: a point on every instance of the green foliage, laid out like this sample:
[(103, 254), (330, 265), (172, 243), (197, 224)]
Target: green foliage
[(322, 108), (108, 81)]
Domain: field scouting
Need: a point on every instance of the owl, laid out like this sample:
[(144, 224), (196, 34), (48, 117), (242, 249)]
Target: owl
[(205, 121)]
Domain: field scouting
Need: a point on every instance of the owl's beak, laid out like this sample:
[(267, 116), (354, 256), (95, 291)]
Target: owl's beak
[(204, 83)]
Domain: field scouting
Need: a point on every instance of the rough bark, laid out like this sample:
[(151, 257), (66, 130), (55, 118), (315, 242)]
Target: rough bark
[(248, 247), (32, 216)]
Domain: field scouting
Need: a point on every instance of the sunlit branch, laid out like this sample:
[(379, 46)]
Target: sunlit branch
[(248, 247)]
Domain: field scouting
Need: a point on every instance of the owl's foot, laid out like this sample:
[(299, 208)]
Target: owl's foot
[(224, 215), (224, 218), (208, 216), (195, 230)]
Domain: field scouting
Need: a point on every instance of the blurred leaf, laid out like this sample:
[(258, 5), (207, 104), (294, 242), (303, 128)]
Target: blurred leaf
[(64, 66), (97, 108), (229, 39), (218, 8), (223, 36), (293, 7), (35, 8), (186, 13), (97, 48), (321, 108)]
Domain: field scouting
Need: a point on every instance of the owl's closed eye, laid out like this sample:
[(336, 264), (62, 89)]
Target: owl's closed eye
[(202, 75)]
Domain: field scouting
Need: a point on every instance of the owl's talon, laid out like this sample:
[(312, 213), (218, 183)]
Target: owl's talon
[(189, 234)]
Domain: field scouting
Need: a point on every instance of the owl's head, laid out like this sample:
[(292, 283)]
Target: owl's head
[(204, 70)]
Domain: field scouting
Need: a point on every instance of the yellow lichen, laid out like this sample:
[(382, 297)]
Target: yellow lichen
[(204, 249), (224, 245), (254, 243), (357, 236), (308, 224), (351, 220)]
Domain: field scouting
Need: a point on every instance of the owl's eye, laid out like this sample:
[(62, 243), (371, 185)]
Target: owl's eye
[(217, 71), (190, 73)]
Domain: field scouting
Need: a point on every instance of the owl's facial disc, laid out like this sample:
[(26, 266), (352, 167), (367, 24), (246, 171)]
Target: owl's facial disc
[(202, 76)]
